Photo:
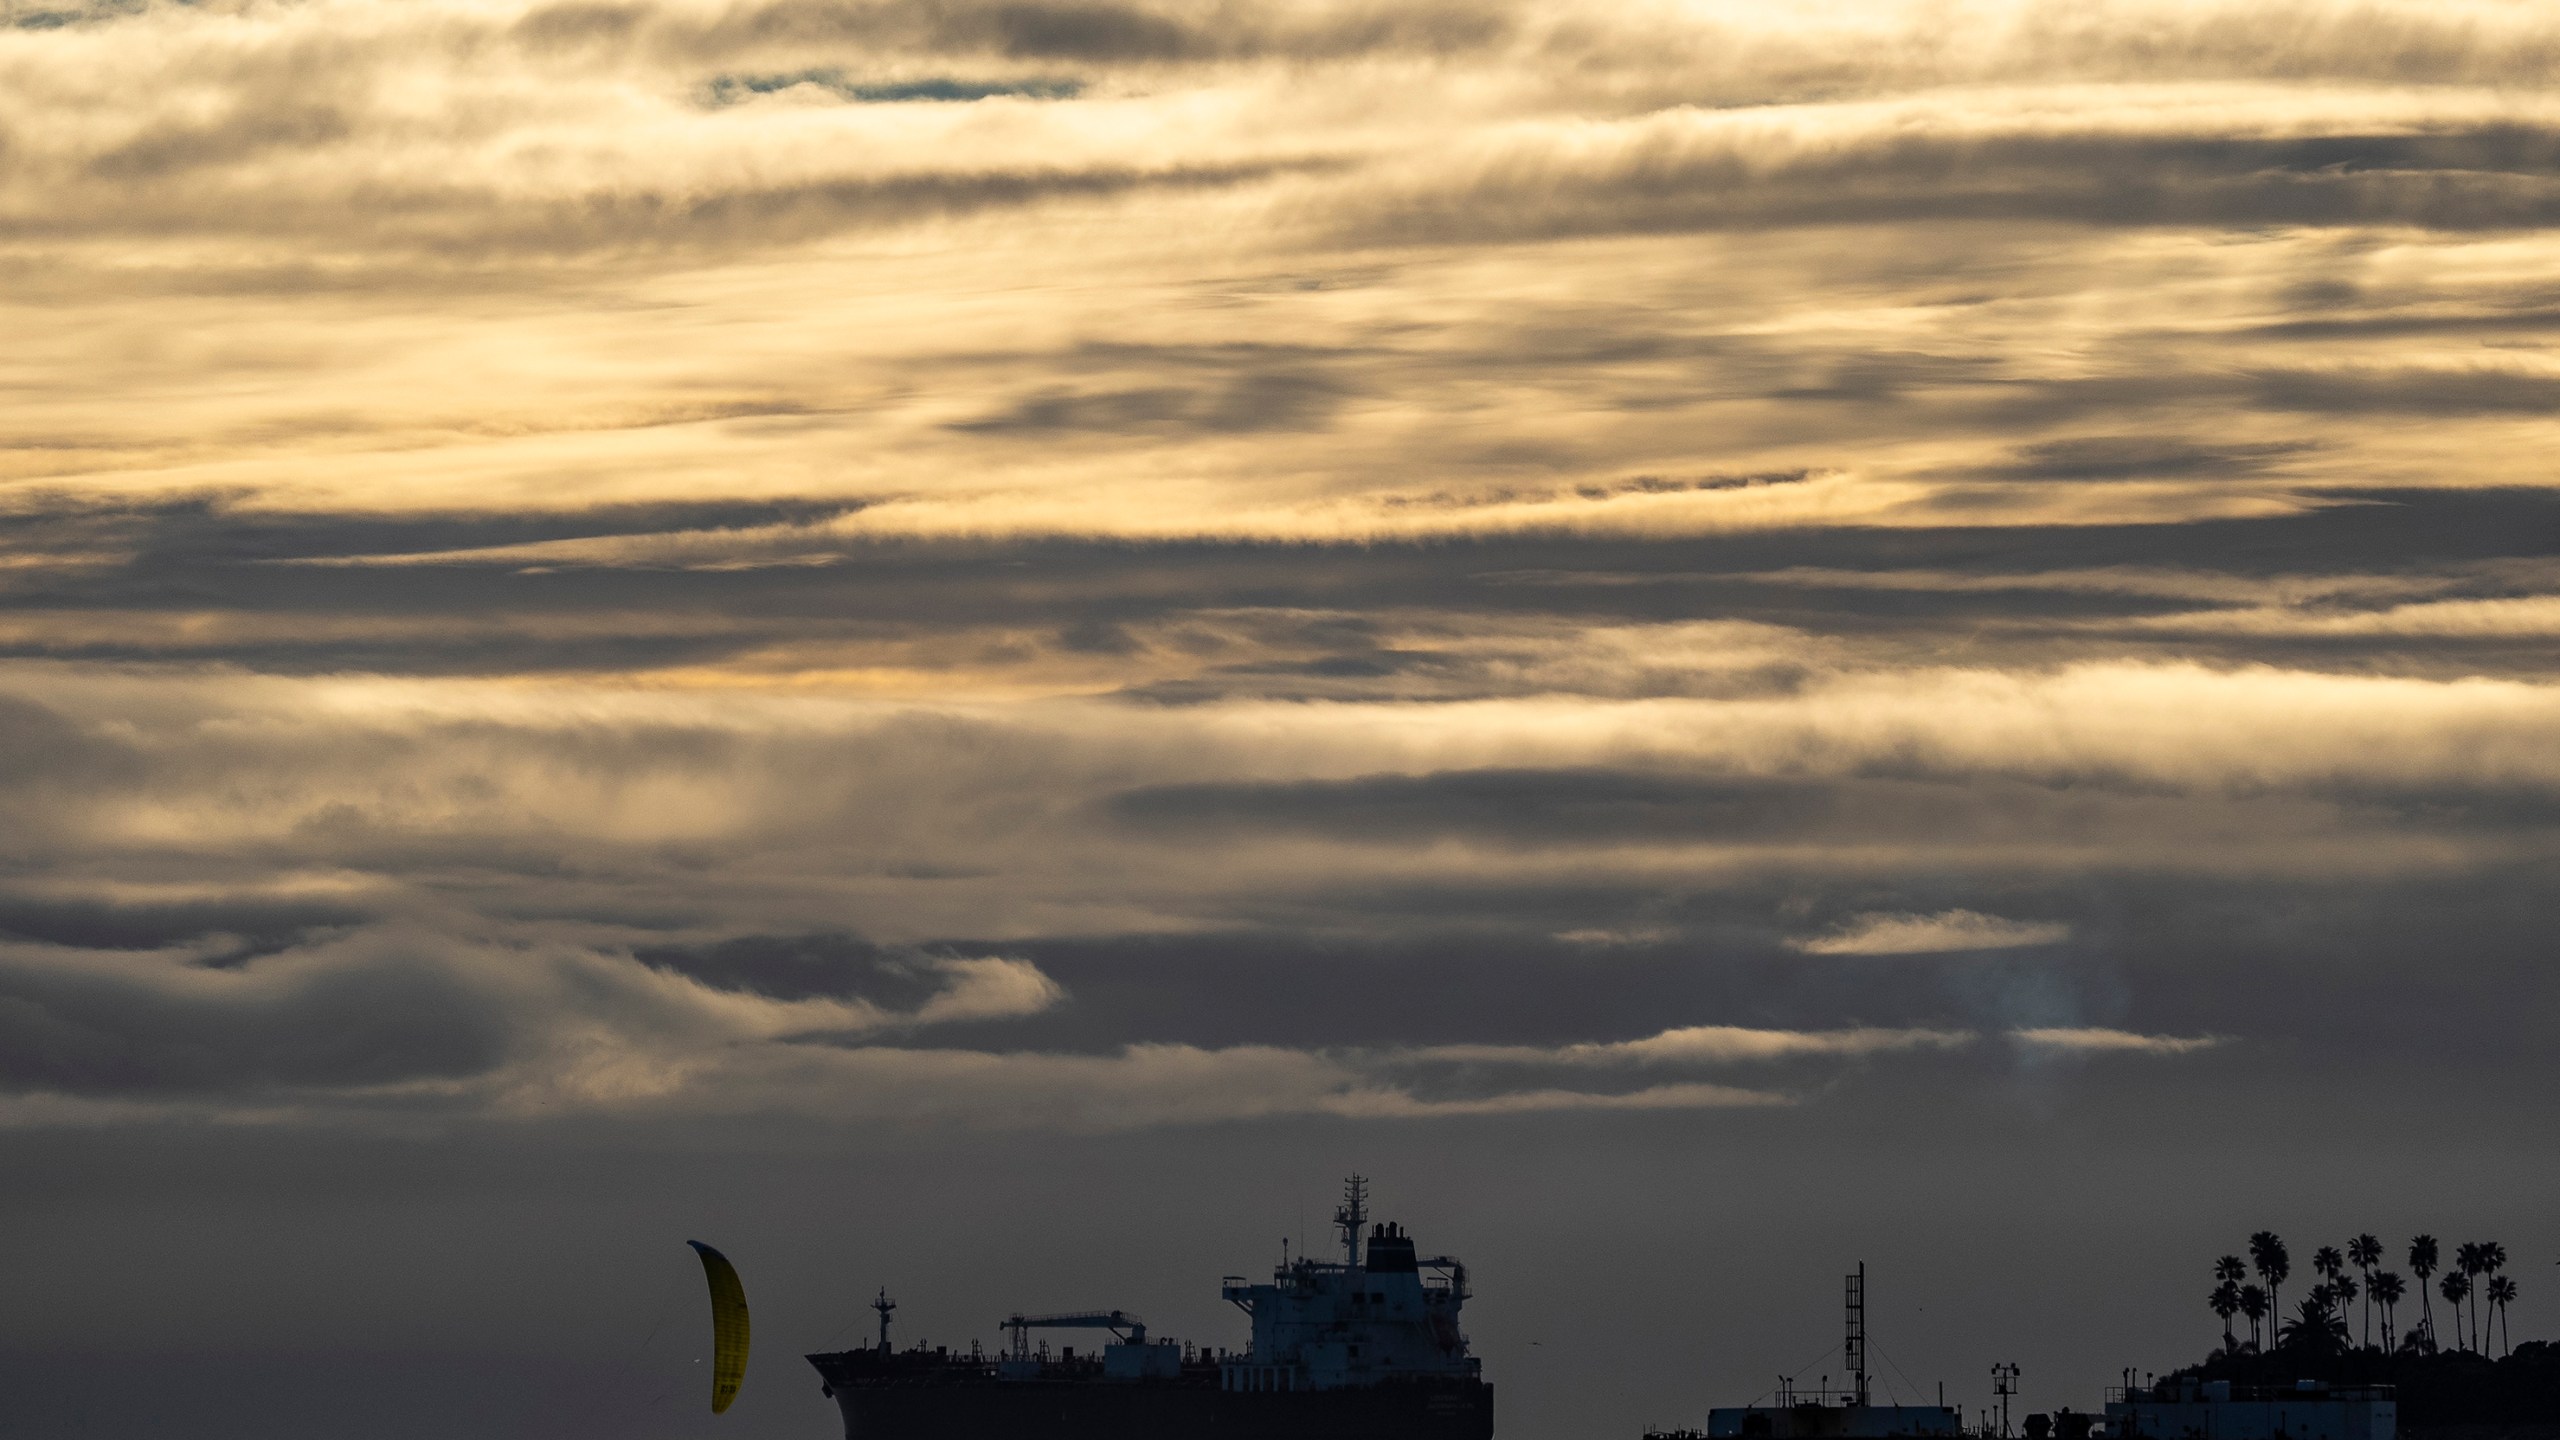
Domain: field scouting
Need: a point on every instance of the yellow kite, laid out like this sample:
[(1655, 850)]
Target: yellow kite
[(728, 1326)]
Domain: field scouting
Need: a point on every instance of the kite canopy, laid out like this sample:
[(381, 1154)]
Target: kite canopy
[(728, 1326)]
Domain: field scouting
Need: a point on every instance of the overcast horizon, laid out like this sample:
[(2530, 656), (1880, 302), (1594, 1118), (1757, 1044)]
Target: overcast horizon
[(972, 645)]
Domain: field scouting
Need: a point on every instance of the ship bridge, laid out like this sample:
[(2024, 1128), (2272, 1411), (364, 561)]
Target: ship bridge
[(1385, 1315)]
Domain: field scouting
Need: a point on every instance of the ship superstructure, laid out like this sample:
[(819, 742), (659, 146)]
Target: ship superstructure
[(1365, 1348), (1323, 1326)]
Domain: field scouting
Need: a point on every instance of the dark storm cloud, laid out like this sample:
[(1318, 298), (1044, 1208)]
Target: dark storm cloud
[(1278, 984), (1673, 178), (459, 222), (55, 17), (224, 930), (1559, 812), (2471, 390), (2144, 953), (140, 1026), (730, 89), (2477, 387), (796, 967), (2526, 314), (1070, 31), (200, 529), (1086, 32), (244, 134), (1250, 402), (1563, 808), (1538, 807), (1234, 618), (2139, 457)]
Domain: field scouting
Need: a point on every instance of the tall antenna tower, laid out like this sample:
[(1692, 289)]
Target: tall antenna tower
[(1351, 1214), (1854, 1349), (2004, 1383)]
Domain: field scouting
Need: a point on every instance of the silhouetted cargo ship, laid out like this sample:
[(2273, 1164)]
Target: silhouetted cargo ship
[(1367, 1348)]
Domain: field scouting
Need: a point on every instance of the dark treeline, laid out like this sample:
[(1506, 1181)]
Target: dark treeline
[(2337, 1315), (2346, 1330)]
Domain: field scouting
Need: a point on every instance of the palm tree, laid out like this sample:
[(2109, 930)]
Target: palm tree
[(2366, 1252), (2422, 1263), (2268, 1254), (2385, 1290), (2472, 1259), (2225, 1301), (2317, 1329), (2502, 1291), (2231, 1268), (2342, 1293), (2253, 1303), (2328, 1264), (2454, 1286), (2493, 1258)]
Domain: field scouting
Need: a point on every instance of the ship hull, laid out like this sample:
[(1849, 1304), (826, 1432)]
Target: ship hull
[(991, 1409)]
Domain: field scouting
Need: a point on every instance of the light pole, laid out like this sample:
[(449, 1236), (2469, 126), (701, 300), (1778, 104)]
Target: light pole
[(2004, 1383)]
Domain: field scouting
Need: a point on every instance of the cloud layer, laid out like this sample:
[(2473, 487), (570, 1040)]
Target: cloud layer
[(909, 635), (939, 562), (1926, 934)]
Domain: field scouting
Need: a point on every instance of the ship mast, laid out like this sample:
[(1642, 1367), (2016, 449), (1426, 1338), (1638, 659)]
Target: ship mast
[(884, 1305), (1351, 1214)]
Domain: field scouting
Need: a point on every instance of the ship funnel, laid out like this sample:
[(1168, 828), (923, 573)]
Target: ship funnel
[(1391, 1252)]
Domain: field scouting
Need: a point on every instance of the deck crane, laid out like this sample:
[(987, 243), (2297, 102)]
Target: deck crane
[(1122, 1325)]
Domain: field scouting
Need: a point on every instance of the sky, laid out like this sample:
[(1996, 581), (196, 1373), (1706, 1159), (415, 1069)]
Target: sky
[(972, 645)]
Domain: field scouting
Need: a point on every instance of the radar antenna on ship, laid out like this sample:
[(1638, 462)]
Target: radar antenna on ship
[(884, 1305), (1351, 1214)]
